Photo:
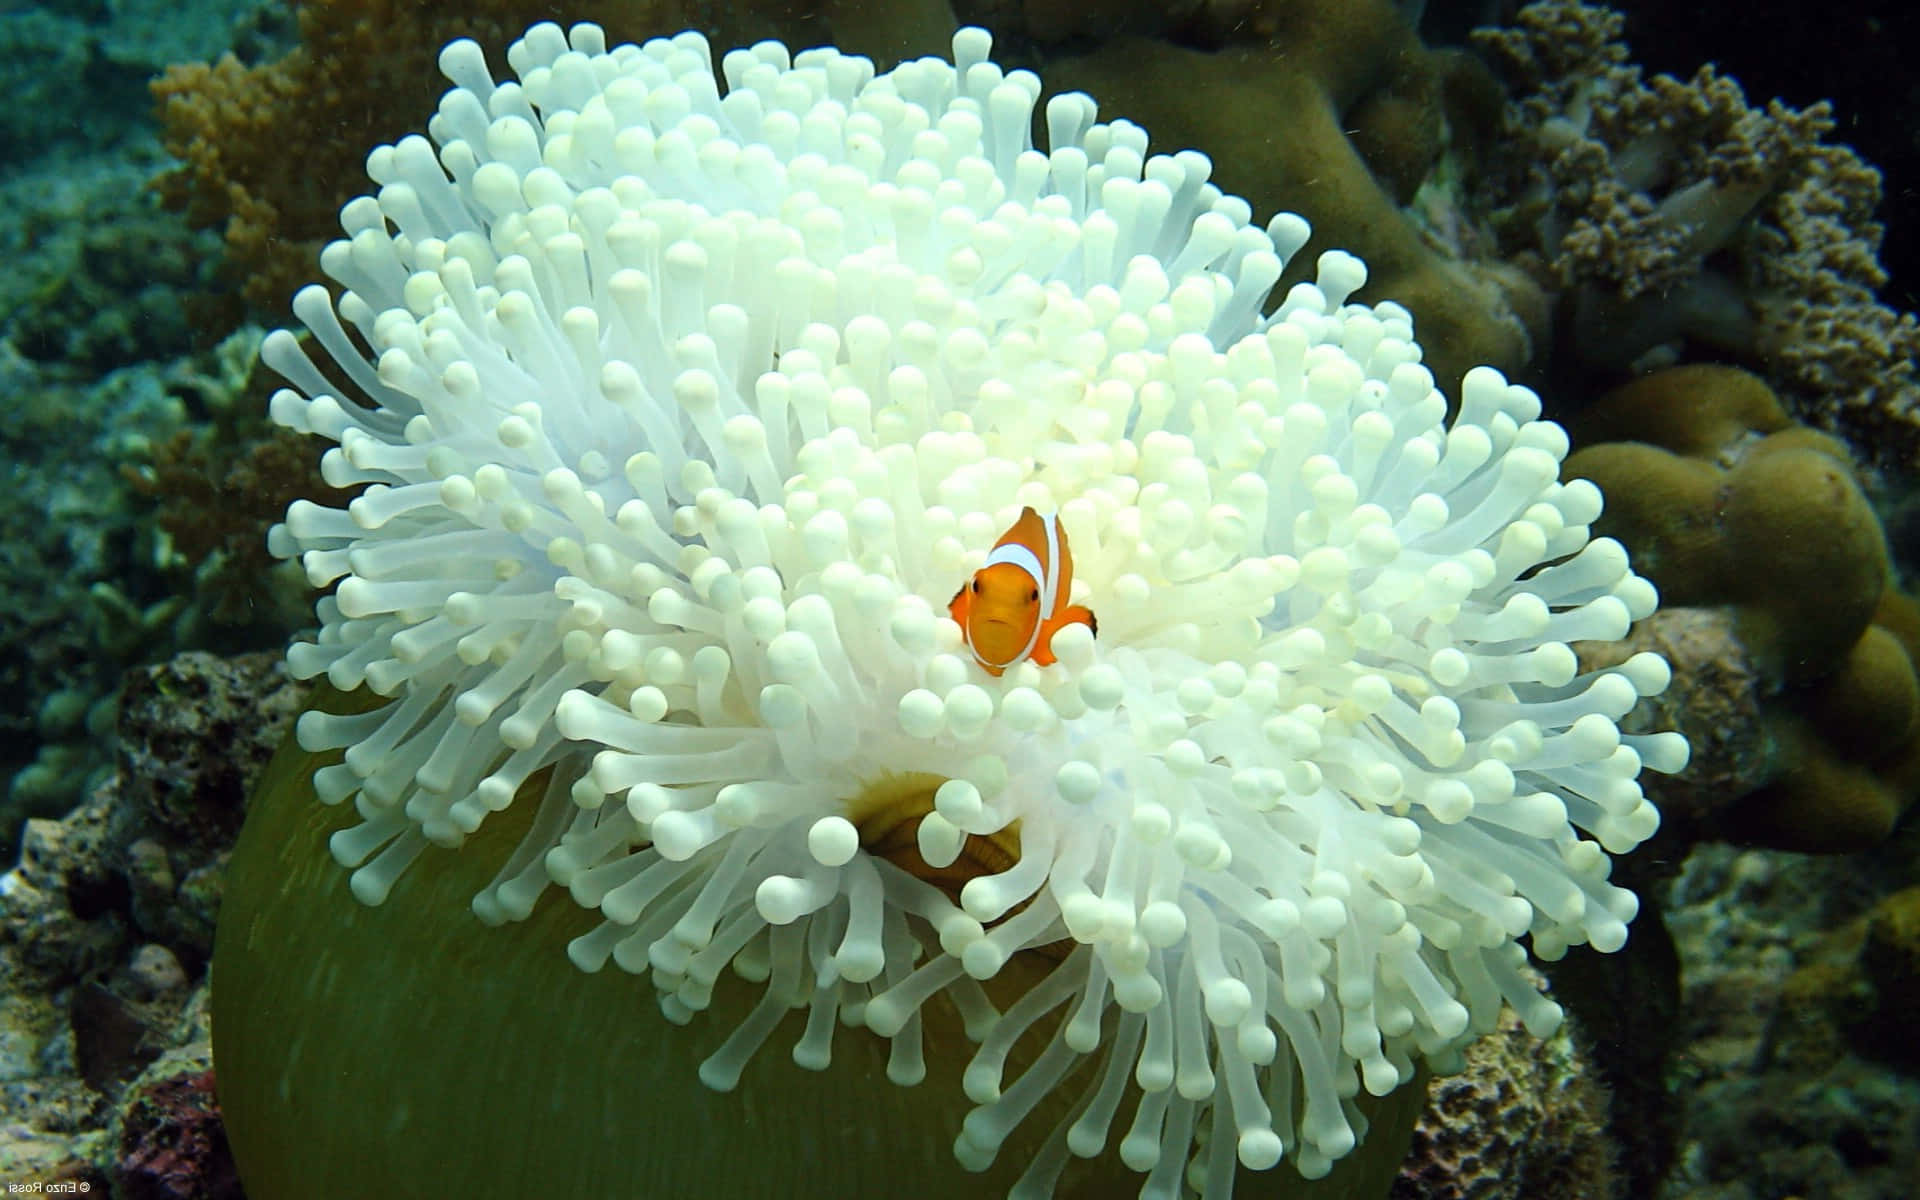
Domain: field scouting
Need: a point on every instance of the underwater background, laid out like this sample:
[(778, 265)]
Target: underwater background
[(1695, 229)]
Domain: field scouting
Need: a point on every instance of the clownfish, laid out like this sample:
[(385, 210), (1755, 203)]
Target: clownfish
[(1017, 600)]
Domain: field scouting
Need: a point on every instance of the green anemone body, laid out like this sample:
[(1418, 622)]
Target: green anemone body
[(410, 1050)]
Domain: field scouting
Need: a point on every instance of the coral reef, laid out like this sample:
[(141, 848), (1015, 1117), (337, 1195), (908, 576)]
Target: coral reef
[(1890, 961), (75, 75), (1717, 699), (97, 273), (214, 489), (1680, 222), (180, 807), (99, 277), (1523, 1119), (1854, 56), (1779, 1084), (101, 361), (105, 929), (81, 595), (94, 363), (91, 585), (1737, 507)]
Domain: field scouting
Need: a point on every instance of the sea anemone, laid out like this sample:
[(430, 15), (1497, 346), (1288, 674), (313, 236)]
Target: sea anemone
[(678, 417)]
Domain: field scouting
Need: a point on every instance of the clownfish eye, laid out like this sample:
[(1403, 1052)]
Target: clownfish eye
[(1033, 597), (976, 585)]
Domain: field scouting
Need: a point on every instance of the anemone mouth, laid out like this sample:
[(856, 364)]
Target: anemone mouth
[(894, 809), (888, 814)]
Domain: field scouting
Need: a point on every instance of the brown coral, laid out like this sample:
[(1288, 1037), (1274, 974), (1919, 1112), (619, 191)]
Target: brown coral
[(1716, 699), (1523, 1119), (1732, 507), (1631, 183), (1726, 501), (216, 499), (1678, 218), (1814, 274), (1334, 109)]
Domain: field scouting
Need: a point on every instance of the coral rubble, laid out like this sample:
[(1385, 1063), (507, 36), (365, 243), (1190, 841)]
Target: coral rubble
[(105, 927)]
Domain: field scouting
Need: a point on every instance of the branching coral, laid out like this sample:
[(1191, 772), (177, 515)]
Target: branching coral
[(1677, 216)]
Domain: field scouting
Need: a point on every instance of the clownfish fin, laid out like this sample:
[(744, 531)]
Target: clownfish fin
[(1029, 529), (1080, 614), (1072, 614)]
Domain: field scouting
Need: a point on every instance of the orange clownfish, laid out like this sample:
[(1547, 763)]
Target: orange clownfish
[(1017, 600)]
